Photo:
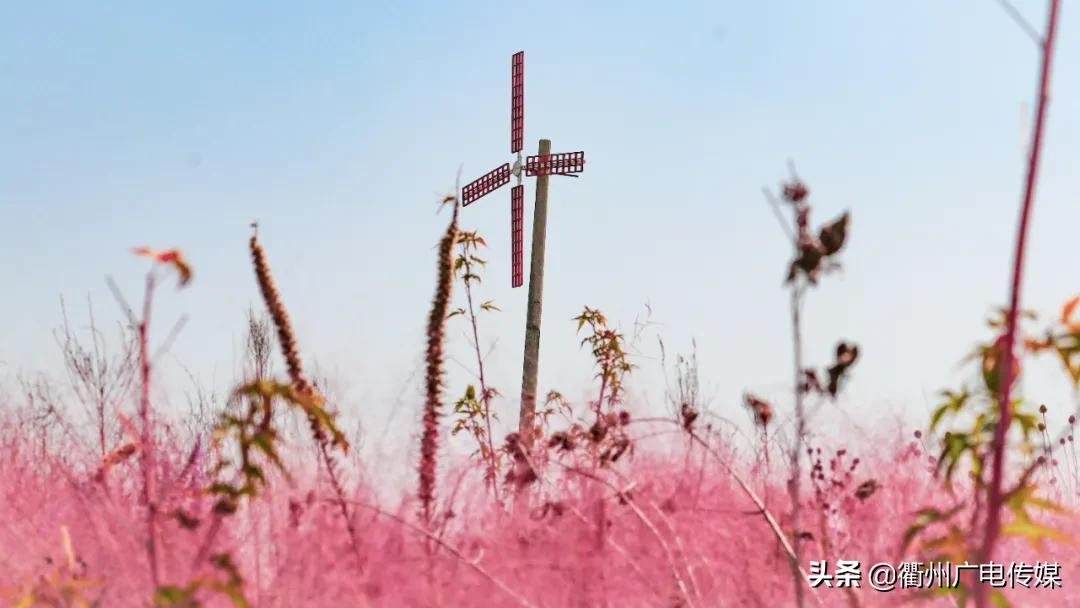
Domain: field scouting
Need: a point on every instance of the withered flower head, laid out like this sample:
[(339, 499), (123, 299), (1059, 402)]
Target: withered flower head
[(689, 415), (846, 354), (598, 431), (866, 489), (834, 233), (562, 440), (795, 191), (761, 409)]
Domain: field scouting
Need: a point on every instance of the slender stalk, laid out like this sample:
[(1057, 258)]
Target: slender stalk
[(993, 520), (147, 439), (626, 498), (800, 434), (603, 389), (801, 576), (485, 397), (433, 377), (289, 351)]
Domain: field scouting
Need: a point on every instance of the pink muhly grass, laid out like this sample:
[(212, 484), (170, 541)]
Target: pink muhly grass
[(693, 520)]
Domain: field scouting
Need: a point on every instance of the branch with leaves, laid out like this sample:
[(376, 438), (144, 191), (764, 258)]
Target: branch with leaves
[(997, 497), (608, 350), (473, 410), (939, 533), (814, 254)]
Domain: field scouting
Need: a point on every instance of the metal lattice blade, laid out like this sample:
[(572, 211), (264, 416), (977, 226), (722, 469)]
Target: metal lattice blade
[(485, 184), (564, 163), (517, 235), (517, 102)]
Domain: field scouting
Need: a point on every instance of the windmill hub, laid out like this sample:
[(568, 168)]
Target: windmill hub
[(517, 169)]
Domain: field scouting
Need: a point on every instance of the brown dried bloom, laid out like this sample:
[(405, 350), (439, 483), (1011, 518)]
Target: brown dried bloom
[(280, 316), (689, 415), (436, 331), (795, 191), (761, 409), (866, 489)]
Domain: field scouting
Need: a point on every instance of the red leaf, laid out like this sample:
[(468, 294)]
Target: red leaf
[(172, 257)]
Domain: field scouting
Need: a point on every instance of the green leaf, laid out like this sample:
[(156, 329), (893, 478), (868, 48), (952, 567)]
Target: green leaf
[(264, 442), (952, 544), (222, 488), (954, 402), (923, 519), (1028, 422), (171, 595), (1034, 532), (955, 444), (1047, 505), (998, 599), (1068, 347)]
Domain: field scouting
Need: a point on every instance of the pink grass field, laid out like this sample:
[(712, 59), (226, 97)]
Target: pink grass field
[(688, 535)]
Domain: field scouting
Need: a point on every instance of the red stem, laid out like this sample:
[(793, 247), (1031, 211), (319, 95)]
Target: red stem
[(147, 439), (993, 521)]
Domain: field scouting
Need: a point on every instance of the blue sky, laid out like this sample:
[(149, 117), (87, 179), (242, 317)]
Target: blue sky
[(337, 125)]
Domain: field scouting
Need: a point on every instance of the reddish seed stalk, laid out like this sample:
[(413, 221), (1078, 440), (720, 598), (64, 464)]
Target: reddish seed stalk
[(287, 343), (993, 520), (436, 330)]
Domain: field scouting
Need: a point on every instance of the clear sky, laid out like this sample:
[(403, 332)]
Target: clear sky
[(338, 125)]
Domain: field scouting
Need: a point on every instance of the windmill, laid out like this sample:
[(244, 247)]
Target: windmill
[(541, 165)]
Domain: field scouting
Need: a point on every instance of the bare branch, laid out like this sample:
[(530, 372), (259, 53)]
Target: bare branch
[(775, 204), (1024, 24)]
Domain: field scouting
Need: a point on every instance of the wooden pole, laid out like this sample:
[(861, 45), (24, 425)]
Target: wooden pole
[(531, 365)]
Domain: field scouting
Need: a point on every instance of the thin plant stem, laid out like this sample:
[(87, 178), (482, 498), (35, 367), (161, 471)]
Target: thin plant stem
[(800, 435), (485, 397), (147, 438), (800, 575), (996, 494)]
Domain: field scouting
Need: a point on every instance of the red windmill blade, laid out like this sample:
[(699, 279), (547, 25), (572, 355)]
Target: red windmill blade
[(517, 102), (485, 184), (565, 163), (517, 236)]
